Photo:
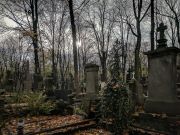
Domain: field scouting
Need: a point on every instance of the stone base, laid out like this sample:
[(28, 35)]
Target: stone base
[(167, 107)]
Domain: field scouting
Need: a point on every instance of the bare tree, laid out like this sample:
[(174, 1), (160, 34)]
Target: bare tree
[(101, 21), (174, 6), (73, 28), (139, 15), (152, 25), (25, 14)]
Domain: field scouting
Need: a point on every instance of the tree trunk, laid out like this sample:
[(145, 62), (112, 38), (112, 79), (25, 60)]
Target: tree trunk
[(139, 97), (37, 72), (178, 28), (104, 69), (34, 9), (137, 52), (73, 28), (152, 25), (54, 66)]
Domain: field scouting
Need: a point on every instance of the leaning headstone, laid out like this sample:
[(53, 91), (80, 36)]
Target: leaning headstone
[(162, 79)]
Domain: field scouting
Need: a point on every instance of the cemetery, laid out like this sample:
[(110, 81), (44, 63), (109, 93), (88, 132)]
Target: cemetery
[(87, 67)]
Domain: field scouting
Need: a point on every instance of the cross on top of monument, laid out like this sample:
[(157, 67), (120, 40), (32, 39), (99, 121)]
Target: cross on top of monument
[(162, 41)]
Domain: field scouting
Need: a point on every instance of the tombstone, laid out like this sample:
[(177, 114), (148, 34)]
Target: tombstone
[(91, 71), (163, 84), (70, 82), (49, 83), (3, 113), (28, 77), (129, 75), (37, 82), (9, 81), (28, 82)]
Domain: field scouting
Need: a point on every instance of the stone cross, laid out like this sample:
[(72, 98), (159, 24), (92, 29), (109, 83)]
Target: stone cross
[(162, 40)]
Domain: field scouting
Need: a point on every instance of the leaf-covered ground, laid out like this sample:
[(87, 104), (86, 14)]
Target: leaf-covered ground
[(93, 132), (34, 124), (39, 123)]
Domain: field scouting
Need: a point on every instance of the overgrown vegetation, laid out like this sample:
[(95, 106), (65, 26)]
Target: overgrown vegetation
[(115, 103), (116, 106), (34, 102), (38, 104)]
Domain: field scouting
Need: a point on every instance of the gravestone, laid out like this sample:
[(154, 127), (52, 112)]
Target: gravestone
[(91, 72), (9, 81), (3, 113), (28, 77), (129, 75), (163, 83), (89, 98), (49, 83), (37, 82)]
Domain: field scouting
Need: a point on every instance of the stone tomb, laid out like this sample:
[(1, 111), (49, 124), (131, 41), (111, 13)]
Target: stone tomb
[(163, 79)]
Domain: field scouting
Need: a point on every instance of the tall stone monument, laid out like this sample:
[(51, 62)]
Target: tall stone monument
[(163, 82), (91, 72)]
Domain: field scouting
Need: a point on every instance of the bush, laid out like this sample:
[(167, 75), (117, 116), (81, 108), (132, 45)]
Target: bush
[(116, 107), (38, 104), (16, 98), (79, 111)]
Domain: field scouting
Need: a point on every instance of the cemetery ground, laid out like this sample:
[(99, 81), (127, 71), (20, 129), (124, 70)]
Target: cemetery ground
[(117, 108), (40, 116), (31, 113), (147, 107)]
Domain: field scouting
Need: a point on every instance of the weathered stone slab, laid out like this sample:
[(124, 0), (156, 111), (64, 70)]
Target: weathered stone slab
[(162, 81), (91, 71)]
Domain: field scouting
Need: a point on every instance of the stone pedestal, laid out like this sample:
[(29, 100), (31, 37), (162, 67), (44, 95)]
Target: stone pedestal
[(163, 81), (91, 72)]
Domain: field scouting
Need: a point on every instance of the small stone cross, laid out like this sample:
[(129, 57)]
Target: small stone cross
[(162, 40)]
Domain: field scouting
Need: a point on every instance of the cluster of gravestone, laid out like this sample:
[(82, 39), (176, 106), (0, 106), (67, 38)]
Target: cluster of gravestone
[(161, 89), (17, 80)]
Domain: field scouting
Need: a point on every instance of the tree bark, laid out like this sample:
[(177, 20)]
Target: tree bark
[(152, 25), (104, 71), (34, 36), (34, 9), (177, 28), (73, 28)]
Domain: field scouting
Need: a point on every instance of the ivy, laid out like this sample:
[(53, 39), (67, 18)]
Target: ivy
[(116, 106), (115, 103)]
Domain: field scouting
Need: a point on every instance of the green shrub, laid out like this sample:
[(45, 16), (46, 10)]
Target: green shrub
[(79, 111), (17, 97), (38, 104), (116, 107)]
